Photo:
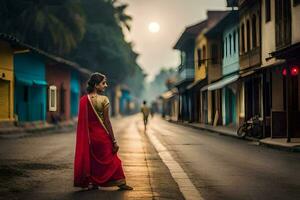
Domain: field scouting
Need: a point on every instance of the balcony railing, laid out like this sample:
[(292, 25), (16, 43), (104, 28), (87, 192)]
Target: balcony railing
[(187, 73), (250, 58)]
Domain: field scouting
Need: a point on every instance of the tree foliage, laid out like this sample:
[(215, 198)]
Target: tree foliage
[(86, 31), (103, 47), (52, 25)]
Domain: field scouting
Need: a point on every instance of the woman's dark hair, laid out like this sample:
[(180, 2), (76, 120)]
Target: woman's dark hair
[(95, 79)]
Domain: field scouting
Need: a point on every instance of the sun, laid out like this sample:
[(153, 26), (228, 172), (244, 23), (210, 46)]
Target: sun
[(154, 27)]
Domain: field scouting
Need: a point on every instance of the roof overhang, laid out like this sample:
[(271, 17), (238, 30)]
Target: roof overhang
[(223, 82), (291, 51), (21, 47)]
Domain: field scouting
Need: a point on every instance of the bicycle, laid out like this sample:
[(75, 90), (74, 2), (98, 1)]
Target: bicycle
[(251, 128)]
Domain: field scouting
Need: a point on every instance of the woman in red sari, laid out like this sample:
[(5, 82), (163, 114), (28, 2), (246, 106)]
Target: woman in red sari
[(96, 161)]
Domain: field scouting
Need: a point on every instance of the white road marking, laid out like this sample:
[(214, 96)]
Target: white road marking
[(187, 188)]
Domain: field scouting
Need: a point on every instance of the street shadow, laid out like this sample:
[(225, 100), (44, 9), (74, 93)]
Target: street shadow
[(101, 193)]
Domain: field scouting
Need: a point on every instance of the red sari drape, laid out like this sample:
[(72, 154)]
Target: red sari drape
[(94, 160)]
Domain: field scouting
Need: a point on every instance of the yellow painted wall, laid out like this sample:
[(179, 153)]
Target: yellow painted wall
[(7, 74), (214, 71), (200, 71)]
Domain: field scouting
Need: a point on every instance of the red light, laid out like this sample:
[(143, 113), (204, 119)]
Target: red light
[(294, 71), (284, 72)]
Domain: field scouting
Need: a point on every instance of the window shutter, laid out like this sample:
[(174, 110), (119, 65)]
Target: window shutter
[(52, 98)]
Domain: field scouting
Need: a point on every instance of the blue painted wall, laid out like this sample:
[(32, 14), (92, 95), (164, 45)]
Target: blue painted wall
[(30, 87), (231, 49), (75, 93), (230, 65), (124, 101)]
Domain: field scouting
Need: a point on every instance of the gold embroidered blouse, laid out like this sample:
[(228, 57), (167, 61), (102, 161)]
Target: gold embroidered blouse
[(100, 102)]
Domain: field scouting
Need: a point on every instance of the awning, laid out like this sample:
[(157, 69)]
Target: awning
[(169, 94), (204, 88), (23, 81), (198, 83), (27, 80), (223, 82), (40, 82)]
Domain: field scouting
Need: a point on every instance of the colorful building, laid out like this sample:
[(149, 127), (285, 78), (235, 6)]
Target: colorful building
[(250, 58), (66, 81), (186, 44), (208, 66), (75, 92), (170, 104), (30, 87), (59, 79), (6, 81), (125, 100), (281, 64), (37, 86), (227, 30)]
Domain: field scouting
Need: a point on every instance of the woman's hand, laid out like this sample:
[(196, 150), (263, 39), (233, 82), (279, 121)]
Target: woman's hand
[(115, 148)]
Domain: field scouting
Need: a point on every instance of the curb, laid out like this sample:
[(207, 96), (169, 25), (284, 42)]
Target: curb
[(35, 131), (209, 130), (274, 146), (280, 147)]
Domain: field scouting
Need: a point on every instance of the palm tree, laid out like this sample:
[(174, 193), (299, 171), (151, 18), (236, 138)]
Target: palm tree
[(122, 18), (52, 25)]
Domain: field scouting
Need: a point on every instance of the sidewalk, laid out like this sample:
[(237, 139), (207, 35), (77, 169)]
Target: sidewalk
[(278, 143), (10, 130)]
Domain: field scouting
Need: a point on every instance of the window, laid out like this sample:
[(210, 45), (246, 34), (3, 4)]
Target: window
[(254, 34), (248, 35), (268, 10), (199, 57), (222, 50), (230, 40), (242, 38), (52, 98), (282, 23), (214, 54), (234, 42), (183, 57), (204, 53), (225, 47)]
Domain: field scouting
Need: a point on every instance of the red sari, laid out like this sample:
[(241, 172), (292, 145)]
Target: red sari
[(94, 160)]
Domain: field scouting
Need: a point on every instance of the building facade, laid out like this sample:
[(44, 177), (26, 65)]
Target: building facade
[(30, 87), (281, 52), (6, 82)]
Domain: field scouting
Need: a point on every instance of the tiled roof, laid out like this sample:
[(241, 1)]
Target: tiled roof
[(13, 40)]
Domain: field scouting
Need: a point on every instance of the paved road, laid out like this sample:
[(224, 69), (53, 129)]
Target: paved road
[(41, 167), (201, 165), (222, 167)]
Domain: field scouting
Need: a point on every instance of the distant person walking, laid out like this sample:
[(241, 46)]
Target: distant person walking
[(96, 160), (145, 111)]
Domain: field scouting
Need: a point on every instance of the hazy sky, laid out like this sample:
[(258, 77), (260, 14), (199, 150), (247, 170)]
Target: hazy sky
[(156, 49)]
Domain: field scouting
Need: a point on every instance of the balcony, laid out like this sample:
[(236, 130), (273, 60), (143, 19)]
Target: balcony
[(250, 59), (187, 73)]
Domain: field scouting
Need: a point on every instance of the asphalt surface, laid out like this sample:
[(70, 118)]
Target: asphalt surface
[(223, 167), (41, 167), (169, 161)]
